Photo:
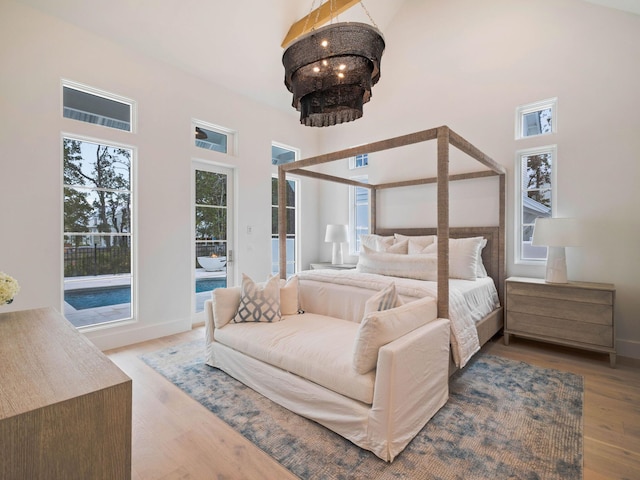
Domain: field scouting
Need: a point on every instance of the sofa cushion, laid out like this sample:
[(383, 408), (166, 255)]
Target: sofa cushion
[(315, 347), (259, 303), (289, 304), (379, 328), (225, 304)]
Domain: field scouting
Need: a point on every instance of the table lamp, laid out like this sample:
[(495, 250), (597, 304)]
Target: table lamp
[(337, 234), (556, 233)]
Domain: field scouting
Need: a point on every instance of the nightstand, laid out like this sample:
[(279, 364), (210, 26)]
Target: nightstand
[(329, 265), (577, 314)]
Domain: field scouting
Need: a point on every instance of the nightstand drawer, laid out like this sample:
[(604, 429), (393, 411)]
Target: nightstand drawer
[(560, 329), (604, 297), (580, 311)]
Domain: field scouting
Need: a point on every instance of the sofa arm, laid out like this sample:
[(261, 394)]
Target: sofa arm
[(412, 376), (209, 324)]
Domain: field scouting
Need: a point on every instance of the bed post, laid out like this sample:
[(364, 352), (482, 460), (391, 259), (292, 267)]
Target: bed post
[(443, 222), (282, 221)]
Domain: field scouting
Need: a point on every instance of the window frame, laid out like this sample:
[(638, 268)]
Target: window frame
[(522, 110), (232, 136), (518, 183), (354, 249), (103, 94), (275, 262), (353, 161)]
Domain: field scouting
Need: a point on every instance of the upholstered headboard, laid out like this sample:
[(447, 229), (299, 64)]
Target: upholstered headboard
[(492, 255)]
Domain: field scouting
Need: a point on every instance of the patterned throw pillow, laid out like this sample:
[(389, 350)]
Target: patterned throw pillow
[(383, 300), (259, 303)]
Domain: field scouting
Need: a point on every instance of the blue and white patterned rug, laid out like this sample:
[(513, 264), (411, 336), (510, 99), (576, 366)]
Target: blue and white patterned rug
[(504, 420)]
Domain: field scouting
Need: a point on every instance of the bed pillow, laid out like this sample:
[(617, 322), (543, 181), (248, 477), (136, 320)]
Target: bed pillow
[(259, 303), (225, 304), (379, 328), (417, 243), (481, 272), (383, 300), (289, 304), (419, 267), (376, 242), (463, 256)]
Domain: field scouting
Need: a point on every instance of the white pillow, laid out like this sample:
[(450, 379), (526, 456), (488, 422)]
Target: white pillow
[(463, 256), (385, 299), (481, 272), (289, 296), (419, 267), (376, 242), (416, 243), (397, 247), (225, 304), (379, 328), (259, 303)]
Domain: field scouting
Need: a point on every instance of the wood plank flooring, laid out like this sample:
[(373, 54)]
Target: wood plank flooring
[(174, 437)]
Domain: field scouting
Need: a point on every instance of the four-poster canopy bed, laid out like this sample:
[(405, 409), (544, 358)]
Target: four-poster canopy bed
[(494, 254)]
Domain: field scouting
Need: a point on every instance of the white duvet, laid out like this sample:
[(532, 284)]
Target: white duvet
[(463, 306)]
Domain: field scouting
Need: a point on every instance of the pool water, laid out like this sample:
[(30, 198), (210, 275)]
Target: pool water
[(84, 298)]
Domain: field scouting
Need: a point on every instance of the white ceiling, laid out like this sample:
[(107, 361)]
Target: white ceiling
[(233, 43)]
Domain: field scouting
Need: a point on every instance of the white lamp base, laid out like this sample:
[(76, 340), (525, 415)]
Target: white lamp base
[(336, 257), (556, 265)]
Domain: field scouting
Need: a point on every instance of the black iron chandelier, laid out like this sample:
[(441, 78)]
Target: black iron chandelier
[(331, 72)]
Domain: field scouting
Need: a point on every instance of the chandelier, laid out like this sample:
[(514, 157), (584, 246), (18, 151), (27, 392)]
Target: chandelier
[(331, 72)]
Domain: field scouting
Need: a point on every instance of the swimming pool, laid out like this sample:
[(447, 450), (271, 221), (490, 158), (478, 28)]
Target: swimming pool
[(84, 298)]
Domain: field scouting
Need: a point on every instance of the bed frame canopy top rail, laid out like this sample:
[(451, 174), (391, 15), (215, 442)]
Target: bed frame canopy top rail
[(445, 137)]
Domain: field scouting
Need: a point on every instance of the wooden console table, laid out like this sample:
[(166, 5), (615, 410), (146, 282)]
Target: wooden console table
[(65, 408)]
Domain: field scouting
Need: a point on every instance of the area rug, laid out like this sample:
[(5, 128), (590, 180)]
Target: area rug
[(504, 420)]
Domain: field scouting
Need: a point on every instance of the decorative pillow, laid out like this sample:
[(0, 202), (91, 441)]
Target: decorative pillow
[(379, 328), (259, 303), (463, 256), (397, 247), (416, 243), (375, 242), (420, 267), (225, 304), (289, 296), (383, 300)]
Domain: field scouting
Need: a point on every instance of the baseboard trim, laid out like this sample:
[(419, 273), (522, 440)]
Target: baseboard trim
[(107, 339)]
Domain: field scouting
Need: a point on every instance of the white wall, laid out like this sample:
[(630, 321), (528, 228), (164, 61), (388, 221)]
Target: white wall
[(37, 52), (469, 64)]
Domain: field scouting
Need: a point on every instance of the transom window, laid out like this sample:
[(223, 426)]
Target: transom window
[(359, 161), (90, 105), (538, 118), (535, 180), (214, 137)]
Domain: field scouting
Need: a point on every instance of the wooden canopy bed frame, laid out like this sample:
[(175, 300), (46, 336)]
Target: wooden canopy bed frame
[(494, 252)]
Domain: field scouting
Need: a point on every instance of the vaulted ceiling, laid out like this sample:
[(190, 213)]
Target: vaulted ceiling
[(236, 44)]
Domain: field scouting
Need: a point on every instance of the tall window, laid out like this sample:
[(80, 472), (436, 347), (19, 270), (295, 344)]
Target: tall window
[(98, 206), (358, 214), (213, 229), (91, 105), (292, 227), (535, 180)]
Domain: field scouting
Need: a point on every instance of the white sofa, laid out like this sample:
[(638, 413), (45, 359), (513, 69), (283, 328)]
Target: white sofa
[(376, 390)]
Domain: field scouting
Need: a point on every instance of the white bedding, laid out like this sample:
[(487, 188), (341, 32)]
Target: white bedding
[(342, 294)]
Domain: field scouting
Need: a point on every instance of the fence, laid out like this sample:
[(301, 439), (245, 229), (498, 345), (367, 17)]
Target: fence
[(98, 260)]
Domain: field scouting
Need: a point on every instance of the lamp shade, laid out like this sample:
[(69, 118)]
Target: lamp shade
[(336, 233), (556, 232)]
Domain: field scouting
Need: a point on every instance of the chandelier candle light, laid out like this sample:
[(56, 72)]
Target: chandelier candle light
[(338, 234), (331, 72)]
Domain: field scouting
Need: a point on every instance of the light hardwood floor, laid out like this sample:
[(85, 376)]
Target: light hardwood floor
[(174, 437)]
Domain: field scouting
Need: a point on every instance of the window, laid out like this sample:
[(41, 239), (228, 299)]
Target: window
[(281, 154), (98, 232), (535, 180), (358, 214), (90, 105), (539, 118), (213, 137), (359, 161), (292, 227)]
